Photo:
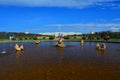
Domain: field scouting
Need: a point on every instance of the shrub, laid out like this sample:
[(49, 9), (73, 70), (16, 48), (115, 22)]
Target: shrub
[(51, 37), (20, 38), (43, 37), (35, 38), (75, 37), (25, 38), (98, 37), (66, 37), (84, 37), (13, 38)]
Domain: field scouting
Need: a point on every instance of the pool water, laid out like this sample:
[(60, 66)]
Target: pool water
[(45, 61)]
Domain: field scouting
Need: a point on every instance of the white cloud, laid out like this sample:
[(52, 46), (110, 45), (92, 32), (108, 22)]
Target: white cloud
[(116, 19), (87, 25), (115, 29), (107, 4), (55, 3)]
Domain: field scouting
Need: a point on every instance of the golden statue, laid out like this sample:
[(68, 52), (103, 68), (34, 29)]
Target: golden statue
[(102, 47), (60, 42), (17, 48)]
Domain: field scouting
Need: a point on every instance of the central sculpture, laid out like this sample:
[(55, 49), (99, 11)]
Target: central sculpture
[(60, 42)]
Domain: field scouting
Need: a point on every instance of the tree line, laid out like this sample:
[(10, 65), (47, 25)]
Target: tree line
[(22, 36)]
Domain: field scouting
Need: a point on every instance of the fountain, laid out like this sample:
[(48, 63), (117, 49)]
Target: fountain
[(102, 47), (60, 43), (17, 48), (4, 51), (37, 41), (60, 40)]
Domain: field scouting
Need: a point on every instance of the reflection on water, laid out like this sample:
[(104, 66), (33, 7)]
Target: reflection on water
[(37, 45), (60, 53), (54, 63), (18, 54), (82, 45), (101, 52)]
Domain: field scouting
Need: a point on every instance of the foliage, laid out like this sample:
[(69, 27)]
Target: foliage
[(51, 37), (75, 37), (84, 37), (44, 37), (98, 38), (66, 37), (35, 38)]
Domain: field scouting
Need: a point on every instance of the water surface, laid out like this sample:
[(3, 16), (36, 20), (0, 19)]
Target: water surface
[(45, 61)]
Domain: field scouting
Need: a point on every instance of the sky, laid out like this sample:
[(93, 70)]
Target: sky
[(38, 16)]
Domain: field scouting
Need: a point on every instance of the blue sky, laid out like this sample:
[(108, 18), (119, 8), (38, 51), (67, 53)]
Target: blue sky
[(72, 15)]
